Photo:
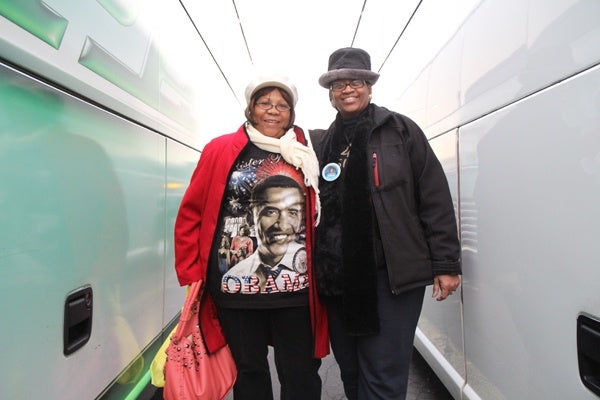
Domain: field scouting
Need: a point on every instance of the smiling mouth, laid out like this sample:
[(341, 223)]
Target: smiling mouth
[(278, 238)]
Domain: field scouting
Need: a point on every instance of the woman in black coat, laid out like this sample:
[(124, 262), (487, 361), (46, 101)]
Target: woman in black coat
[(387, 230)]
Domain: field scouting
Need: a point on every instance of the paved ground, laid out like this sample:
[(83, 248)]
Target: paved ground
[(422, 382)]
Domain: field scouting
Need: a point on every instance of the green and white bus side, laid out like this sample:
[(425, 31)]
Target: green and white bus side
[(98, 140)]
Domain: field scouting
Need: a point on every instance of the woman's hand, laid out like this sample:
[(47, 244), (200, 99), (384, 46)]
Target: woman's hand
[(444, 286)]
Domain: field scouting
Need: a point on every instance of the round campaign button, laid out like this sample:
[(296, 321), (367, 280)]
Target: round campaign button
[(331, 172), (299, 263)]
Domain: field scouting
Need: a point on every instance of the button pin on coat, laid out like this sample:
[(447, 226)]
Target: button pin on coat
[(331, 172)]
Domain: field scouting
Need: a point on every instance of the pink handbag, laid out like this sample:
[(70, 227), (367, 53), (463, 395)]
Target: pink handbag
[(191, 373)]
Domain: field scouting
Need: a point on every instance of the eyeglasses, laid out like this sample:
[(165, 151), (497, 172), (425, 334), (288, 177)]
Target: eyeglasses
[(338, 86), (265, 105)]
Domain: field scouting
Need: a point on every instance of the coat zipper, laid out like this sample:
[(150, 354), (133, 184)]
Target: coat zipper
[(375, 169)]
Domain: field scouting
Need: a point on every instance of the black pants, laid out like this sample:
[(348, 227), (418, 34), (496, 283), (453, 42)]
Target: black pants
[(249, 332), (376, 367)]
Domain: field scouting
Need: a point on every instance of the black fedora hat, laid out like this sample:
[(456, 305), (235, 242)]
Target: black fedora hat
[(348, 63)]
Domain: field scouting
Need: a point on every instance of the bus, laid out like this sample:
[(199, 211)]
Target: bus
[(99, 136), (511, 105)]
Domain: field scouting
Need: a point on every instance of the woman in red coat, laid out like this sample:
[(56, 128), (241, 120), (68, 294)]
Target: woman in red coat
[(264, 176)]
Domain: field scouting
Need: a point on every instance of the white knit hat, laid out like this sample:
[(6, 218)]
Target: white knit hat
[(278, 81)]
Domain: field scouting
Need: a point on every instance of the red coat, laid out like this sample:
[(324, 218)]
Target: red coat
[(195, 228)]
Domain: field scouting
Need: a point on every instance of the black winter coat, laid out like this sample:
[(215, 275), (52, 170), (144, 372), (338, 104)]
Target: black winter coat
[(411, 199)]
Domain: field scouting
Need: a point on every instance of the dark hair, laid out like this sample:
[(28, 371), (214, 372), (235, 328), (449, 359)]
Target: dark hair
[(244, 229), (261, 92), (274, 181)]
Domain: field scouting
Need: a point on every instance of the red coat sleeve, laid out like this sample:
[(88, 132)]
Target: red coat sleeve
[(196, 220), (188, 223)]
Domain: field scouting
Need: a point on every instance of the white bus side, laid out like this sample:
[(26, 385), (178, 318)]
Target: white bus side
[(511, 104)]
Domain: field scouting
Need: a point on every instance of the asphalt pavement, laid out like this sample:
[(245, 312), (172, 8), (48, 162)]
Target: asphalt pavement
[(423, 384)]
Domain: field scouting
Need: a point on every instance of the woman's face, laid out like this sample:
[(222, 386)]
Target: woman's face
[(271, 122), (349, 101)]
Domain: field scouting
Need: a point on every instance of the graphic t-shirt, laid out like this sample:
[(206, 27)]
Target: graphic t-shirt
[(259, 254)]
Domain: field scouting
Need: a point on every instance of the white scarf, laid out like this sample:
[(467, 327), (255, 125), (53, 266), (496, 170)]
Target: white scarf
[(295, 153)]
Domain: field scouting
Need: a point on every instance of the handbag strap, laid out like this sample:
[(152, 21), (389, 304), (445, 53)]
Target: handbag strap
[(190, 301)]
